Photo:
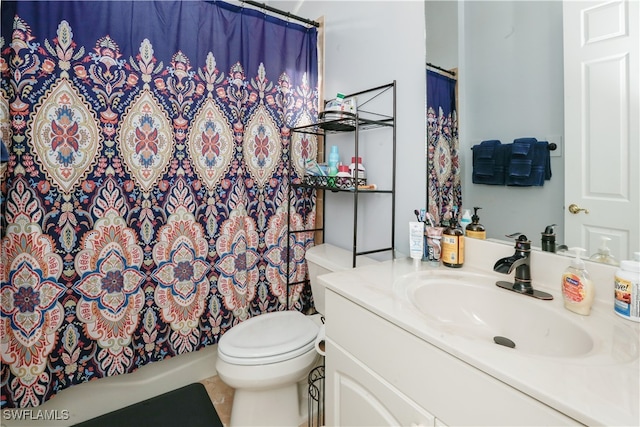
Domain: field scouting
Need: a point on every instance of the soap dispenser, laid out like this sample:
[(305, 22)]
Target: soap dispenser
[(453, 243), (465, 220), (604, 254), (475, 229), (577, 289), (549, 239)]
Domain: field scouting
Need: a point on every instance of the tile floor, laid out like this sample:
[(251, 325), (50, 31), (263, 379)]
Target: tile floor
[(222, 397)]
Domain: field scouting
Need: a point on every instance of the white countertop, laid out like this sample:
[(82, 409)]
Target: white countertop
[(601, 387)]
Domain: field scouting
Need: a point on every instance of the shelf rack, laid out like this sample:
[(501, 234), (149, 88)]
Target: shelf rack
[(343, 122)]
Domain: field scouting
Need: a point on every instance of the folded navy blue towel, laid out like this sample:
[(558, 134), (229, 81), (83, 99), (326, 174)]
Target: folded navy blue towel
[(489, 162), (543, 157), (529, 163), (527, 140)]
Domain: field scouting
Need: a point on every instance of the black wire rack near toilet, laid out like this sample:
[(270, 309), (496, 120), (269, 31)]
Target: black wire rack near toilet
[(316, 397)]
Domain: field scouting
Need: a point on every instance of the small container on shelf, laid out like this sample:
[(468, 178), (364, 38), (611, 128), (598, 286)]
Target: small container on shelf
[(334, 159), (343, 171), (357, 170), (334, 182), (343, 177)]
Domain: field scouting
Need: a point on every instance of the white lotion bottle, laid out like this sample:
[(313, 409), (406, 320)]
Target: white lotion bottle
[(416, 242), (627, 289), (577, 288)]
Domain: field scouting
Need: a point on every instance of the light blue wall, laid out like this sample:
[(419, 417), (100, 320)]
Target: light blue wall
[(370, 43), (510, 86), (441, 19)]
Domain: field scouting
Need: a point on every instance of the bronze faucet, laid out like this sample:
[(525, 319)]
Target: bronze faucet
[(521, 262)]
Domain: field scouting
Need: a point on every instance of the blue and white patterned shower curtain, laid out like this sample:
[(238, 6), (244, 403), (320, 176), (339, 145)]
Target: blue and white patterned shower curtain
[(145, 199), (444, 191)]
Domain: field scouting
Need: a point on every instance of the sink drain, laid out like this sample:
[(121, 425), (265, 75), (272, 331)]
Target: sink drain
[(504, 341)]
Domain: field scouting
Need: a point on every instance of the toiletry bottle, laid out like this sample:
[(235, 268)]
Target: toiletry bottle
[(465, 220), (434, 244), (343, 177), (350, 105), (549, 239), (577, 289), (334, 158), (627, 289), (604, 254), (357, 169), (452, 244), (343, 171), (475, 229), (416, 242)]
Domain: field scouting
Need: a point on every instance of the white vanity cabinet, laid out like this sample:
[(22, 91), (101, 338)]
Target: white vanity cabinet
[(363, 398), (379, 374)]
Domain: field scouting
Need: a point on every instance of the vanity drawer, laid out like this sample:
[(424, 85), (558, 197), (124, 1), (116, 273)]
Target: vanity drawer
[(452, 390)]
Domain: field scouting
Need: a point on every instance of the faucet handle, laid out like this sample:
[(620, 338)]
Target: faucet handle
[(523, 244), (513, 235), (520, 237)]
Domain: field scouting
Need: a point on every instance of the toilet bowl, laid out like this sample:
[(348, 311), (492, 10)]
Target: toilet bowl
[(265, 357)]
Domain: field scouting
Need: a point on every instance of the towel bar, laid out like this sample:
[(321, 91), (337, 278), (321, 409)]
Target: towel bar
[(552, 146)]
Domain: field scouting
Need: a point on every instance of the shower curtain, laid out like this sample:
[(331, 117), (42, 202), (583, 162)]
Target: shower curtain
[(146, 194), (444, 191)]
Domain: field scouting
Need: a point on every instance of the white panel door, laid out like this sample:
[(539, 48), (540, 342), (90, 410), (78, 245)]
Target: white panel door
[(602, 121)]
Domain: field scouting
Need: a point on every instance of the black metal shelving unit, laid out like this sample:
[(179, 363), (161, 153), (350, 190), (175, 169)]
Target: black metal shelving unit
[(362, 120)]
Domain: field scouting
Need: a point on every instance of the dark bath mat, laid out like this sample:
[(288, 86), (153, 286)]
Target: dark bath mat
[(189, 406)]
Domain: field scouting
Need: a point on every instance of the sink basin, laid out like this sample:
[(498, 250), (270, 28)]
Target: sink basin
[(470, 305)]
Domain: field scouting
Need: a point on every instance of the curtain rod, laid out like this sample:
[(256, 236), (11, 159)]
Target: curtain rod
[(453, 73), (281, 12)]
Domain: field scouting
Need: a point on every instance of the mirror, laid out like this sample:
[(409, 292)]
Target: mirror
[(509, 56)]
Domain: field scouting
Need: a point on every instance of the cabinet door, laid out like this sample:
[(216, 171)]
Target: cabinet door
[(356, 396)]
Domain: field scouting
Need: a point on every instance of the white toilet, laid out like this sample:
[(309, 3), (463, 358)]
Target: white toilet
[(265, 357)]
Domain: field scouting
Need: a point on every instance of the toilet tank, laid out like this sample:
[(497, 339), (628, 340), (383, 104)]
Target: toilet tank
[(326, 258)]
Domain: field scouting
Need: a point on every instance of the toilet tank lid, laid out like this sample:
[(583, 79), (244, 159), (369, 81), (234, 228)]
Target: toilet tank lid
[(334, 258)]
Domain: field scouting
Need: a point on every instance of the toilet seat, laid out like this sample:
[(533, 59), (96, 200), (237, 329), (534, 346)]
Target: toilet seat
[(268, 338)]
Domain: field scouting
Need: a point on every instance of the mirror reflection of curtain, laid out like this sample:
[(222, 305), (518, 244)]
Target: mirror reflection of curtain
[(444, 190), (146, 188)]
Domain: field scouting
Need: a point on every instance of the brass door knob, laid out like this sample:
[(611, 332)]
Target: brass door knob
[(575, 209)]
